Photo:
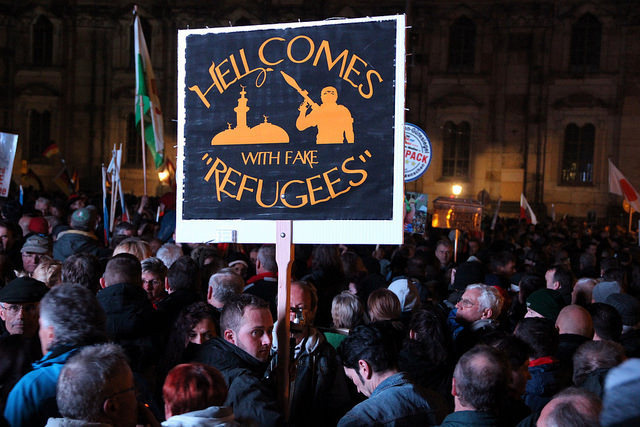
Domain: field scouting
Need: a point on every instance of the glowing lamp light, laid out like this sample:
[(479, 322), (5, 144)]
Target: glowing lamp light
[(456, 189), (163, 175)]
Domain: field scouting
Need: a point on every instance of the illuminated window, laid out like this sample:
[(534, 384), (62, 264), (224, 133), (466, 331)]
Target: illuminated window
[(577, 157), (585, 44), (456, 138), (462, 45)]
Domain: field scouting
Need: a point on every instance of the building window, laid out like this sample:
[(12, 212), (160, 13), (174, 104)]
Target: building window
[(146, 29), (462, 45), (455, 161), (133, 148), (577, 158), (585, 44), (42, 41), (39, 133)]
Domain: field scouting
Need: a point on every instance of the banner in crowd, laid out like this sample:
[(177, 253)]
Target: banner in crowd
[(415, 217), (300, 121), (8, 144)]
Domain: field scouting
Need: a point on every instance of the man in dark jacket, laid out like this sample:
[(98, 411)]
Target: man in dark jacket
[(80, 239), (545, 369), (319, 395), (183, 286), (479, 384), (242, 354), (369, 357), (130, 316)]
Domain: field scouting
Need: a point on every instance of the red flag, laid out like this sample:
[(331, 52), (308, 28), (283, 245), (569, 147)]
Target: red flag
[(51, 151), (618, 184), (526, 212)]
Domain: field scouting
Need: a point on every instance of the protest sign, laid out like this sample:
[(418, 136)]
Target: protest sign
[(8, 144), (301, 122)]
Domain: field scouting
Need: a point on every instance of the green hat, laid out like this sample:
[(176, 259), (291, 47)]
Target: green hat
[(547, 302)]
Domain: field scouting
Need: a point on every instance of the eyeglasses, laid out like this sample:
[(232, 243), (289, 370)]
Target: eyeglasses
[(121, 392), (466, 303), (15, 308)]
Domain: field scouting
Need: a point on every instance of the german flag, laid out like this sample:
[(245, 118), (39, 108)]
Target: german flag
[(51, 151)]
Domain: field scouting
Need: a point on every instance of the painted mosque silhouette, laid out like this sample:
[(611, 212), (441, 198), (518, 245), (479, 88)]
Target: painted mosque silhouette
[(264, 133)]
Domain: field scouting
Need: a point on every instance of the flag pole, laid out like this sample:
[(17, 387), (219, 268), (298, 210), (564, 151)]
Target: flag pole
[(144, 153), (630, 216)]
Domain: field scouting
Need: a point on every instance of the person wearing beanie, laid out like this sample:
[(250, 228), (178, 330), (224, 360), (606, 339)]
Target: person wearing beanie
[(80, 238), (19, 306), (38, 225), (629, 309), (603, 289), (545, 303), (34, 248)]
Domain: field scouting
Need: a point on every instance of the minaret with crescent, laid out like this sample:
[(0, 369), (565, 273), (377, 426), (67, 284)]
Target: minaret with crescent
[(241, 110)]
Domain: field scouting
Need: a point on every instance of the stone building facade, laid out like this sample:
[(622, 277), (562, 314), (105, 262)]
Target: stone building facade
[(516, 96)]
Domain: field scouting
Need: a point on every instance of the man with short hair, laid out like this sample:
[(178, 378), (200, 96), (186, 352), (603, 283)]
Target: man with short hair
[(560, 279), (96, 387), (81, 237), (571, 407), (369, 357), (607, 323), (130, 316), (10, 245), (83, 269), (169, 253), (241, 355), (479, 385), (19, 306), (546, 374), (70, 317), (444, 253), (183, 288), (265, 283), (476, 315), (154, 273), (223, 287), (34, 248)]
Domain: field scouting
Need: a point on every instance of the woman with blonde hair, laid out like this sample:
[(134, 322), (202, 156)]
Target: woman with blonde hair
[(134, 246)]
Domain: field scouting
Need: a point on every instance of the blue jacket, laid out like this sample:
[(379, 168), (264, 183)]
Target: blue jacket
[(545, 382), (33, 399), (395, 402)]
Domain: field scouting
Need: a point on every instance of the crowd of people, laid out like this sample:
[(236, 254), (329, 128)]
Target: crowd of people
[(525, 325)]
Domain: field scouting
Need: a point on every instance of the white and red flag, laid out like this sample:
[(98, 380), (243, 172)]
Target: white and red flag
[(526, 212), (619, 185)]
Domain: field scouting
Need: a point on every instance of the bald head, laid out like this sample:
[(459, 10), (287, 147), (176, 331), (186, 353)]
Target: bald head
[(574, 319)]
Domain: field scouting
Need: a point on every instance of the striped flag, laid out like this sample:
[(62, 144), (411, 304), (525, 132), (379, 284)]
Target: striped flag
[(147, 97), (526, 212), (51, 151), (619, 185)]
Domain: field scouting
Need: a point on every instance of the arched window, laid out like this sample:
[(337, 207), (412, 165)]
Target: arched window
[(146, 29), (585, 44), (133, 150), (462, 45), (39, 133), (455, 160), (577, 156), (42, 46)]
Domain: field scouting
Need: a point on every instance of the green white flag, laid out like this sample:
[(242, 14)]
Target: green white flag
[(147, 94)]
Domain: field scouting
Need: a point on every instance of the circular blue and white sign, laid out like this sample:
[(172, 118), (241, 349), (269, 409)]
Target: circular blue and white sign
[(417, 152)]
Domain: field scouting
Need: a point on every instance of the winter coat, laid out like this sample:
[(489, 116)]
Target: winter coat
[(209, 417), (71, 242), (33, 399), (470, 419), (249, 396)]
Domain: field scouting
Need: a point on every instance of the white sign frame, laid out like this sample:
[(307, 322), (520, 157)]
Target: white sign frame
[(8, 145), (304, 232)]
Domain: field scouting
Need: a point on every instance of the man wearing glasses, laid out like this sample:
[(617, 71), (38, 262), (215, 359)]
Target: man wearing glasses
[(19, 306)]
